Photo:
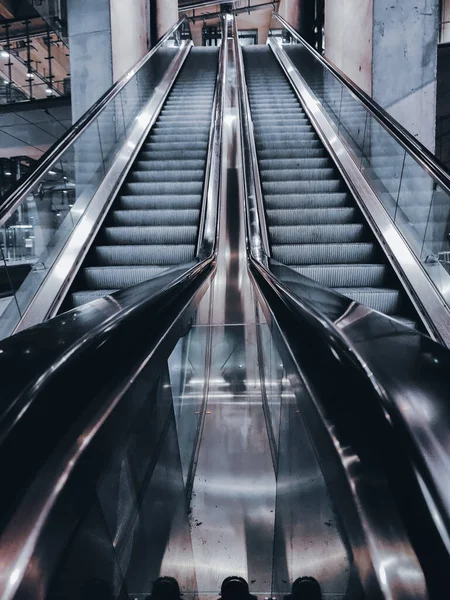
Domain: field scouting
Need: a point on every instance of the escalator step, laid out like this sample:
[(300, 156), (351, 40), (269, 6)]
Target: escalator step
[(153, 222), (314, 223), (150, 234), (140, 254)]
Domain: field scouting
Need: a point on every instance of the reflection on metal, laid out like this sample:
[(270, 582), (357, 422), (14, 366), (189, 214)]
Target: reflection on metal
[(430, 305), (208, 220), (59, 276), (233, 494), (255, 213)]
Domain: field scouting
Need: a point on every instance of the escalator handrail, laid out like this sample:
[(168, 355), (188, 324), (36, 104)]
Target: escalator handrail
[(413, 146), (253, 192), (24, 187), (28, 519), (398, 413), (207, 232), (207, 242)]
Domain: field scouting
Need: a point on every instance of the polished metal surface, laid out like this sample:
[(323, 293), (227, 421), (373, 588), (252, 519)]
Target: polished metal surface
[(411, 144), (207, 238), (357, 480), (233, 494), (21, 542), (258, 231), (58, 278), (430, 305), (72, 134)]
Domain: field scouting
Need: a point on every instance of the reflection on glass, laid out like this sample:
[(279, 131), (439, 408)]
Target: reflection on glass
[(37, 231), (408, 193)]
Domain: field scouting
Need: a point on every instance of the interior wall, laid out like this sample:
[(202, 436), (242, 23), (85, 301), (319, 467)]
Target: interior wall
[(348, 38)]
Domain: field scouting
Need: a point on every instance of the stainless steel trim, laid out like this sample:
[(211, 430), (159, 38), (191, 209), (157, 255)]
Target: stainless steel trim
[(61, 274), (420, 153), (19, 540), (211, 189), (431, 306), (55, 152), (378, 551), (259, 240)]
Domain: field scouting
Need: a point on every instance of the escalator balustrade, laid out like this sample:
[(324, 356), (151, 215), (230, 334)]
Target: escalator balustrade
[(315, 225), (153, 222)]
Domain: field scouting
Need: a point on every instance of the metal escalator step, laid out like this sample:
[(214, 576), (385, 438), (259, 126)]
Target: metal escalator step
[(165, 176), (308, 200), (83, 297), (315, 254), (342, 276), (168, 165), (305, 187), (312, 216), (319, 234), (164, 217), (311, 174), (140, 254), (163, 188), (266, 144), (168, 202), (117, 277), (162, 146), (385, 300), (177, 154), (149, 234), (283, 152), (295, 163)]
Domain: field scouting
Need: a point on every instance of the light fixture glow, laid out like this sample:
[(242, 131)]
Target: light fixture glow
[(30, 76), (4, 54), (49, 91), (52, 172), (8, 173)]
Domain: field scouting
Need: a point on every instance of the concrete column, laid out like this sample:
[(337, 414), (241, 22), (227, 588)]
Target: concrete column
[(129, 34), (166, 16), (389, 47), (91, 72)]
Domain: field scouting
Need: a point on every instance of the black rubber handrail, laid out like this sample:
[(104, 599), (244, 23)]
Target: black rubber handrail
[(416, 149), (23, 188)]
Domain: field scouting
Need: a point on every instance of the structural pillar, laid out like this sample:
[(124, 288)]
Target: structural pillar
[(106, 39), (91, 71), (164, 15), (389, 48)]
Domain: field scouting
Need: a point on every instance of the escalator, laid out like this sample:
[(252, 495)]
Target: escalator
[(153, 223), (212, 426), (315, 225)]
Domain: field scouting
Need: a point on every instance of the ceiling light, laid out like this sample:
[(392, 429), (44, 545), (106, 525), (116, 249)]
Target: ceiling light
[(52, 172), (49, 91), (4, 54), (8, 173)]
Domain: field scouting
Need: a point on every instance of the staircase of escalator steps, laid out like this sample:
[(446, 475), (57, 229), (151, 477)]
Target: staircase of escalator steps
[(235, 588), (153, 222), (315, 225), (305, 588), (165, 588)]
